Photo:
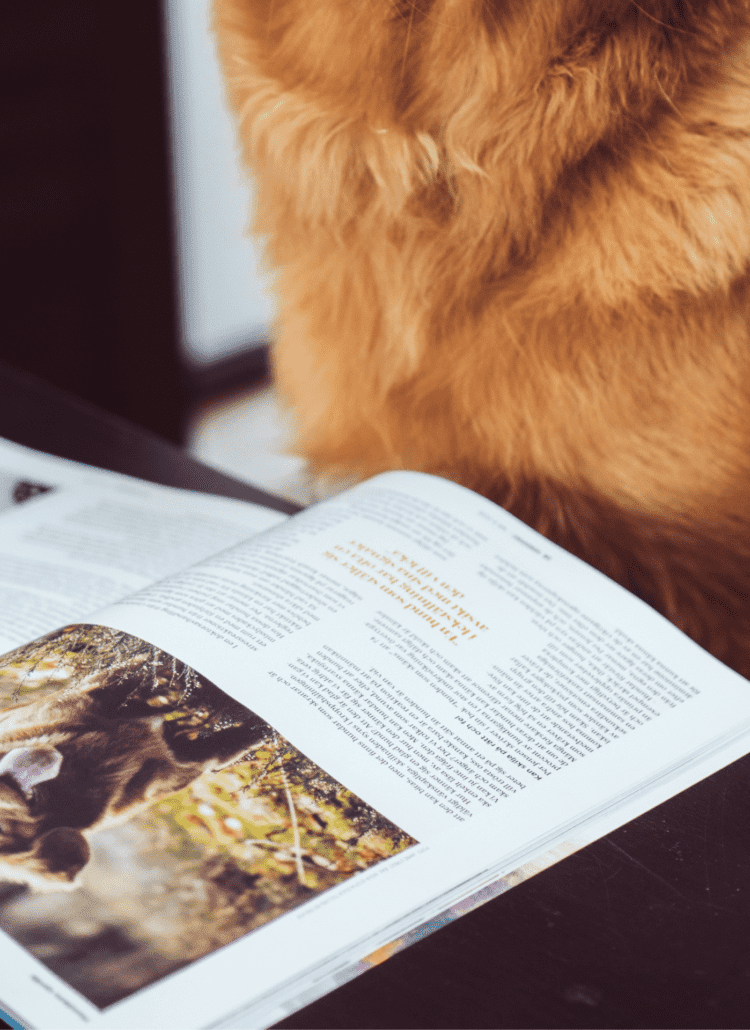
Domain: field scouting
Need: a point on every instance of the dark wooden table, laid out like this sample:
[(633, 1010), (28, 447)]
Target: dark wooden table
[(648, 927)]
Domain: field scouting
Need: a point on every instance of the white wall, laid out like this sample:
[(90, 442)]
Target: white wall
[(224, 297)]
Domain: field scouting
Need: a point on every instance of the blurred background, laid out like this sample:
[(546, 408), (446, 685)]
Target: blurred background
[(129, 278)]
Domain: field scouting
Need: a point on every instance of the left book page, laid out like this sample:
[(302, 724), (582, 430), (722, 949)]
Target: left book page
[(74, 538)]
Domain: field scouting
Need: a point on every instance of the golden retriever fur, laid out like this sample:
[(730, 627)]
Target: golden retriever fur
[(511, 242)]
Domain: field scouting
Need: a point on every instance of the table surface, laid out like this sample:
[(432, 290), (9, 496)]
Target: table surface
[(648, 927)]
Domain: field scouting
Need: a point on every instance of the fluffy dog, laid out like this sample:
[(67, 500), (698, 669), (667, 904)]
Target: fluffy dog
[(511, 244)]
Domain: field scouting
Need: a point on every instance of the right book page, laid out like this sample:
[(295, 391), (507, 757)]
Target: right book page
[(445, 656)]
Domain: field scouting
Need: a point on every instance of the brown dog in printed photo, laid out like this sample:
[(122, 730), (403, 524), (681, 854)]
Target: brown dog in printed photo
[(510, 241)]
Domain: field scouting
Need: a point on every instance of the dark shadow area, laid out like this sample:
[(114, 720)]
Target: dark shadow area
[(90, 297)]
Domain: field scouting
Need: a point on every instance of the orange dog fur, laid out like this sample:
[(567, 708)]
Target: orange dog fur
[(511, 243)]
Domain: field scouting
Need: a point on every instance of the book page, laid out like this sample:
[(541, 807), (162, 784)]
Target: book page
[(75, 538), (363, 717)]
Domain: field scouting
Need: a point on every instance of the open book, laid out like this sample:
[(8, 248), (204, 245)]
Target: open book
[(245, 757)]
